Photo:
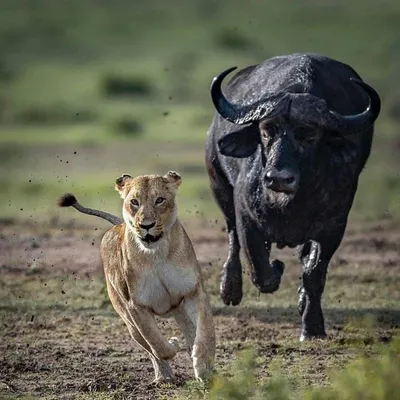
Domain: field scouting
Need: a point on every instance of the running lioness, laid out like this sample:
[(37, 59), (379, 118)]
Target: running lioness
[(151, 269)]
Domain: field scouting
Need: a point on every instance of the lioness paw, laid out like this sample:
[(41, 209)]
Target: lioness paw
[(203, 370), (161, 380)]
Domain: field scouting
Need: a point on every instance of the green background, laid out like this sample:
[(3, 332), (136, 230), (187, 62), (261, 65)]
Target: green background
[(92, 89)]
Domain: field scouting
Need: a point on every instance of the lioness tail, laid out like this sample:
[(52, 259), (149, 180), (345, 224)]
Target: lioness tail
[(68, 200)]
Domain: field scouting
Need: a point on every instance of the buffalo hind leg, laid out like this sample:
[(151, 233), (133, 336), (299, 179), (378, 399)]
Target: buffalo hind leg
[(266, 276), (315, 257), (231, 278)]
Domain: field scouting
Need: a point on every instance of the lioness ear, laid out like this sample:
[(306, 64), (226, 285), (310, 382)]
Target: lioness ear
[(239, 144), (174, 179), (120, 184)]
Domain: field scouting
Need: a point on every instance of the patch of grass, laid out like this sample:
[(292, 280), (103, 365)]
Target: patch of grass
[(57, 114), (368, 378), (378, 192)]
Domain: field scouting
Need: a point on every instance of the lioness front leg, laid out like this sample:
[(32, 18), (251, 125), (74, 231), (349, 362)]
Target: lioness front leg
[(162, 370), (198, 311), (187, 327)]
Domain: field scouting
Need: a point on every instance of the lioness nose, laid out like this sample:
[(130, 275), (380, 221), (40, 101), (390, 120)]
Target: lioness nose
[(280, 179), (147, 227)]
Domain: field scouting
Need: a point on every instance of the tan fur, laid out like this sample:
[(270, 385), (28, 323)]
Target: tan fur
[(145, 279)]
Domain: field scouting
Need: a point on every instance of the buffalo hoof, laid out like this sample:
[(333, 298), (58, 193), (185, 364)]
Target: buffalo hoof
[(271, 284), (304, 337), (231, 286)]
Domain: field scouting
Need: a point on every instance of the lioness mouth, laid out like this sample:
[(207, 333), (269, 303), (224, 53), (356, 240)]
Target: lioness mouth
[(151, 239)]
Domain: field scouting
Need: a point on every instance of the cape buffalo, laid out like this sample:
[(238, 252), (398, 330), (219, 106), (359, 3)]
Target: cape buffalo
[(284, 153)]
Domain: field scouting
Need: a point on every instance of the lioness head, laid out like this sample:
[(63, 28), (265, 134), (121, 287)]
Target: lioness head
[(149, 208)]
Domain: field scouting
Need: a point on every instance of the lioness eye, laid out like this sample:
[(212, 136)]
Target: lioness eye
[(135, 203), (159, 200)]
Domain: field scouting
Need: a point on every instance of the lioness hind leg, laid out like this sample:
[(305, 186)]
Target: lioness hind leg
[(198, 311)]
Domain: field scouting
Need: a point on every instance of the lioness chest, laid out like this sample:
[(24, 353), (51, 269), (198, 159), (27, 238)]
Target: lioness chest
[(163, 286)]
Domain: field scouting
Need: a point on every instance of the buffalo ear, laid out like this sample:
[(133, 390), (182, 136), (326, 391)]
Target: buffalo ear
[(239, 144)]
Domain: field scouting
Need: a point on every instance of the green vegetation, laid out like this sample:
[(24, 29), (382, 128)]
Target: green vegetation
[(367, 378), (126, 85)]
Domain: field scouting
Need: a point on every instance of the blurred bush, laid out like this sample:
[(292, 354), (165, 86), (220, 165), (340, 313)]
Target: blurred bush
[(6, 73), (117, 85), (232, 39), (127, 126)]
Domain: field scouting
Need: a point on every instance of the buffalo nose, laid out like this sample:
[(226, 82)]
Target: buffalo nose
[(147, 226), (280, 180)]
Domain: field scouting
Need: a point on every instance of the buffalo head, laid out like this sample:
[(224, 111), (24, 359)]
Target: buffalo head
[(288, 127)]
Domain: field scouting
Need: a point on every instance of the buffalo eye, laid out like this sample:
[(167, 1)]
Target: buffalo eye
[(134, 203), (268, 131), (160, 200)]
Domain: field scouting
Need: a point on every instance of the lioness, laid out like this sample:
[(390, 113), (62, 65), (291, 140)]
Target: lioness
[(151, 269)]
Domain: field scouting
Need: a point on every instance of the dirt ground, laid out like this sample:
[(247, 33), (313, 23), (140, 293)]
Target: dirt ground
[(61, 339)]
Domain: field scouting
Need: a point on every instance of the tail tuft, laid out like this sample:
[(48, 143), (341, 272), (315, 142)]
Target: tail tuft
[(67, 200)]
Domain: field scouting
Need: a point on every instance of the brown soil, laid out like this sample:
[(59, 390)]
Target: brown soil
[(79, 348)]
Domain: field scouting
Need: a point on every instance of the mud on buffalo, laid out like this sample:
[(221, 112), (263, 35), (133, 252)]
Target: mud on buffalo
[(284, 153)]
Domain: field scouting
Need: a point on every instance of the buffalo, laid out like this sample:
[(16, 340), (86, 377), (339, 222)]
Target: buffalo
[(284, 153)]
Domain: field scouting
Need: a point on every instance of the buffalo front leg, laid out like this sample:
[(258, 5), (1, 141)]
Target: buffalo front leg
[(266, 276), (315, 257)]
